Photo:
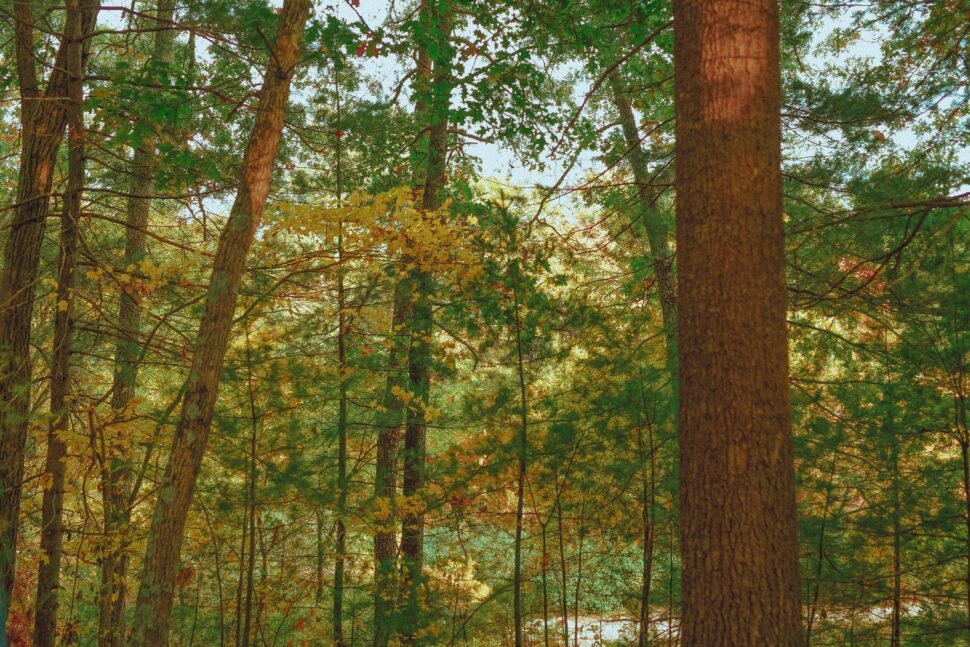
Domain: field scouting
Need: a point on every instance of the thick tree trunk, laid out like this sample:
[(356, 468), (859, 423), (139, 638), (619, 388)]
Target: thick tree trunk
[(43, 117), (154, 602), (738, 534), (52, 517), (115, 492)]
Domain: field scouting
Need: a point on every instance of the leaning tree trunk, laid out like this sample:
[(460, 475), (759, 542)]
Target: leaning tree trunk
[(738, 534), (52, 508), (437, 20), (115, 492), (154, 602), (650, 221), (43, 117)]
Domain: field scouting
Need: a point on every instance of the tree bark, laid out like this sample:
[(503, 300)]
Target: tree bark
[(43, 117), (154, 602), (523, 448), (52, 508), (342, 485), (738, 533), (115, 492), (436, 15), (389, 423)]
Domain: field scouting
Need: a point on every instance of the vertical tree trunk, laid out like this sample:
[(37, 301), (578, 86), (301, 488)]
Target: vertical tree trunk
[(154, 602), (341, 547), (52, 517), (965, 456), (115, 492), (563, 603), (43, 117), (318, 595), (657, 237), (738, 533), (436, 17), (389, 422), (649, 484), (520, 477), (246, 634), (241, 571), (895, 639)]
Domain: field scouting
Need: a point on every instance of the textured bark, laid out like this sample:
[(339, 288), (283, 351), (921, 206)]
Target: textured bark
[(52, 508), (738, 532), (389, 424), (115, 491), (43, 117), (157, 587), (437, 17)]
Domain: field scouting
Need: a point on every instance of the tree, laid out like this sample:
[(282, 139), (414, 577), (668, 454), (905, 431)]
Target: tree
[(52, 518), (116, 488), (43, 117), (154, 603), (738, 531)]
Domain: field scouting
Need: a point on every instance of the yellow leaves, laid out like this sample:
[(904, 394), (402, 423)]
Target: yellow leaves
[(383, 511), (391, 223), (63, 305), (401, 394)]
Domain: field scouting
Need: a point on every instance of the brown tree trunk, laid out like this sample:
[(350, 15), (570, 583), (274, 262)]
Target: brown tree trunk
[(342, 485), (523, 448), (115, 492), (52, 518), (43, 117), (436, 17), (154, 602), (738, 534), (389, 425)]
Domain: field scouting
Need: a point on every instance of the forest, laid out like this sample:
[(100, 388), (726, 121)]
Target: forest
[(485, 323)]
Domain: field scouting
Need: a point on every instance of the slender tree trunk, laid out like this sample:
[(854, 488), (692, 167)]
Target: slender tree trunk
[(43, 117), (649, 480), (651, 223), (738, 533), (820, 556), (965, 456), (436, 17), (389, 422), (250, 495), (318, 596), (52, 510), (338, 569), (563, 604), (241, 573), (579, 573), (897, 602), (111, 619), (520, 477), (154, 603), (545, 587), (657, 236)]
